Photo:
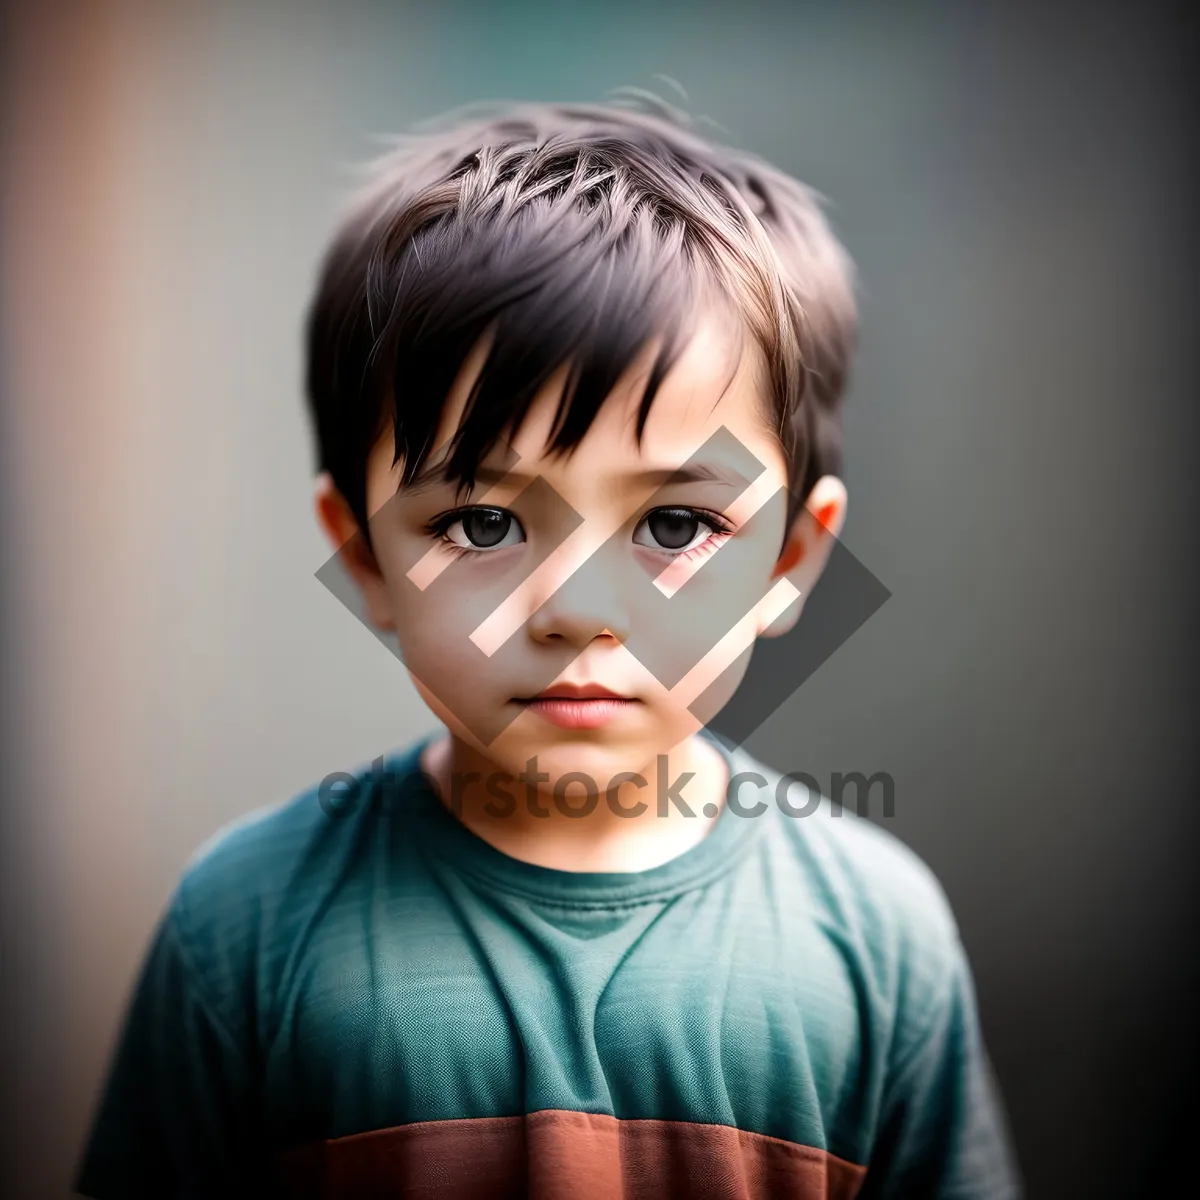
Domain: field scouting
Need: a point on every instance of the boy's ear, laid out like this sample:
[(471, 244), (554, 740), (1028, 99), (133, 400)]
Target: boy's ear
[(338, 521), (807, 548)]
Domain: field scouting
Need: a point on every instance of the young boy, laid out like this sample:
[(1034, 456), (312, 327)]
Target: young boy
[(576, 377)]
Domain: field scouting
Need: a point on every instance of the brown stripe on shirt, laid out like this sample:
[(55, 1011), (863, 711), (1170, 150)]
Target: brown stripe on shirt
[(562, 1155)]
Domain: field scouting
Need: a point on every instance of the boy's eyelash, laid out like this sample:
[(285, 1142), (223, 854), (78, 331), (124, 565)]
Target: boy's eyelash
[(718, 523), (439, 524)]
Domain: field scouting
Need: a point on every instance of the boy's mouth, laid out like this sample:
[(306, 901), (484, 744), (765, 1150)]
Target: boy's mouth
[(578, 706)]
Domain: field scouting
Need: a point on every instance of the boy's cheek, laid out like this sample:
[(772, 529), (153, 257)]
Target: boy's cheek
[(444, 615), (709, 621)]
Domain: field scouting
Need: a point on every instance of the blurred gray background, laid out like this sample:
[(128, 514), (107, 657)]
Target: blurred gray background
[(1012, 184)]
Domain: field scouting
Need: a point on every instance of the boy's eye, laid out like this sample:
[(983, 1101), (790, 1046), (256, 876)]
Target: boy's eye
[(483, 529), (677, 529)]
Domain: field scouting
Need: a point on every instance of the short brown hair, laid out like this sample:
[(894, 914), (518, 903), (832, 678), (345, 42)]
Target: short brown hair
[(574, 233)]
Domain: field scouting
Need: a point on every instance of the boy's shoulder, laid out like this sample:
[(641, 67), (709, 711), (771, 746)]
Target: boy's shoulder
[(852, 856), (866, 888), (248, 893), (260, 853), (263, 850)]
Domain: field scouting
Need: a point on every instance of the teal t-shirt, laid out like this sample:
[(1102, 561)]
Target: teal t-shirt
[(353, 995)]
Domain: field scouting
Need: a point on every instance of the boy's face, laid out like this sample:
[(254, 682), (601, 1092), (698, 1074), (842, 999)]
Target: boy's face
[(597, 569)]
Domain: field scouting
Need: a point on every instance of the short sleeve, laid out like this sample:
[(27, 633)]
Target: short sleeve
[(177, 1114), (943, 1132)]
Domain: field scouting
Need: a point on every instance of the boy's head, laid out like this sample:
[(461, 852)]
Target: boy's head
[(576, 377)]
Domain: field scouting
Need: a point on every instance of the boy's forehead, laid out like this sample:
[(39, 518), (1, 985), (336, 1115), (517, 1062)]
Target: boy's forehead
[(710, 386)]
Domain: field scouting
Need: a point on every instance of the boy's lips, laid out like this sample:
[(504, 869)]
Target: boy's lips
[(578, 706), (575, 691)]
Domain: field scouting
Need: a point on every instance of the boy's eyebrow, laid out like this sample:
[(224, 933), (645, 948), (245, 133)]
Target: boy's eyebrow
[(695, 472)]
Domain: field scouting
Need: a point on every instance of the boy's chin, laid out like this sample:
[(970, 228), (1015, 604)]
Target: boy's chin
[(601, 754)]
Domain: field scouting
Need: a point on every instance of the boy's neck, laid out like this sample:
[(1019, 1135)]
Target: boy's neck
[(537, 831)]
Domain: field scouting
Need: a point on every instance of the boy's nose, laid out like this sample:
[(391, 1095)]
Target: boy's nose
[(588, 603)]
